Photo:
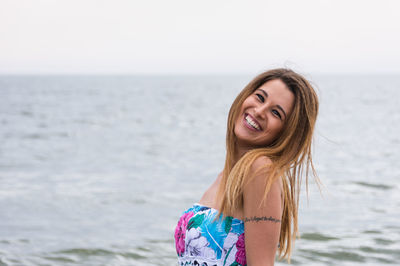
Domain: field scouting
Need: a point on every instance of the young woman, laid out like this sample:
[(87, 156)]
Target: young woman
[(250, 211)]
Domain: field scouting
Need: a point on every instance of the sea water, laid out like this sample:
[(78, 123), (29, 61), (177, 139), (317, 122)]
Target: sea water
[(96, 170)]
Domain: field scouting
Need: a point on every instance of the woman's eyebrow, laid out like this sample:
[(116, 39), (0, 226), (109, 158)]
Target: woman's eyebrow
[(278, 106), (264, 92), (283, 111)]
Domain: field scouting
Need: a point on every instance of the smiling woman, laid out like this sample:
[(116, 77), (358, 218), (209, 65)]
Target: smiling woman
[(263, 115), (250, 211)]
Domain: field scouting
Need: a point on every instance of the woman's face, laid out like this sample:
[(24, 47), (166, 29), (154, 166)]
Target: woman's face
[(263, 115)]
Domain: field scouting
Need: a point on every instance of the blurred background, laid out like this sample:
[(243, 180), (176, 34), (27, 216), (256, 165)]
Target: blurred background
[(113, 118)]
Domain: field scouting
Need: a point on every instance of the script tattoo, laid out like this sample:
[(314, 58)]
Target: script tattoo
[(263, 218)]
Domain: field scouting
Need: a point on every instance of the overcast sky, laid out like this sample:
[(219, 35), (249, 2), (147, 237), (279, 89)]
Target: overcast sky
[(199, 37)]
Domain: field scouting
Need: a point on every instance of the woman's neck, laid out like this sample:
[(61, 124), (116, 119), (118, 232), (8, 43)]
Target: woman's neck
[(239, 153)]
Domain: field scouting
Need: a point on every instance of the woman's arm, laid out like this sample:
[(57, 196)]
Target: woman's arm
[(262, 223)]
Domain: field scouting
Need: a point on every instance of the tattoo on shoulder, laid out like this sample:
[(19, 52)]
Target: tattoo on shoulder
[(262, 218)]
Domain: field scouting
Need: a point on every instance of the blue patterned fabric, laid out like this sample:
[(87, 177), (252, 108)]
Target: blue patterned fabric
[(202, 238)]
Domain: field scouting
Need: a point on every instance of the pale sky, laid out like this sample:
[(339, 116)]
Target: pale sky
[(198, 37)]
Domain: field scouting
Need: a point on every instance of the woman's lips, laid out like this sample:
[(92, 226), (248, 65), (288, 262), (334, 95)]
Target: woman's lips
[(251, 123)]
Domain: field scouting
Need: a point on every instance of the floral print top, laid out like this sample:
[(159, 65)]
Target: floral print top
[(201, 239)]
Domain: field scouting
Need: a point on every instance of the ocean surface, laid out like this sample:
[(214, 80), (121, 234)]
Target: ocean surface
[(96, 170)]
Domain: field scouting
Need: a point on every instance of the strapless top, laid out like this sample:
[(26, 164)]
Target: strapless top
[(202, 238)]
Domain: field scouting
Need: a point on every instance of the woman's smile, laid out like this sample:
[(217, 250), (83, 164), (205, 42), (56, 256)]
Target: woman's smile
[(251, 123)]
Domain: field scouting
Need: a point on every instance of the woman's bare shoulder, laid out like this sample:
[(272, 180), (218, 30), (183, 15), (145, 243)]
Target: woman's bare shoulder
[(261, 174), (261, 161)]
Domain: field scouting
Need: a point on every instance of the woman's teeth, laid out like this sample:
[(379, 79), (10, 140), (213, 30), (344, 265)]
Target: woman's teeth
[(251, 122)]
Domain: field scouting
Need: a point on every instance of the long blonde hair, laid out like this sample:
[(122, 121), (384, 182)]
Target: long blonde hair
[(290, 154)]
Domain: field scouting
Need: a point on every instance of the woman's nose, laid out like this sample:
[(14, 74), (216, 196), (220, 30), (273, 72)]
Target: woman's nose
[(259, 111)]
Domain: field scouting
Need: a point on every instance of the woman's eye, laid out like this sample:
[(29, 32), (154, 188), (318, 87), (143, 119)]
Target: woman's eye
[(275, 112), (260, 97)]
